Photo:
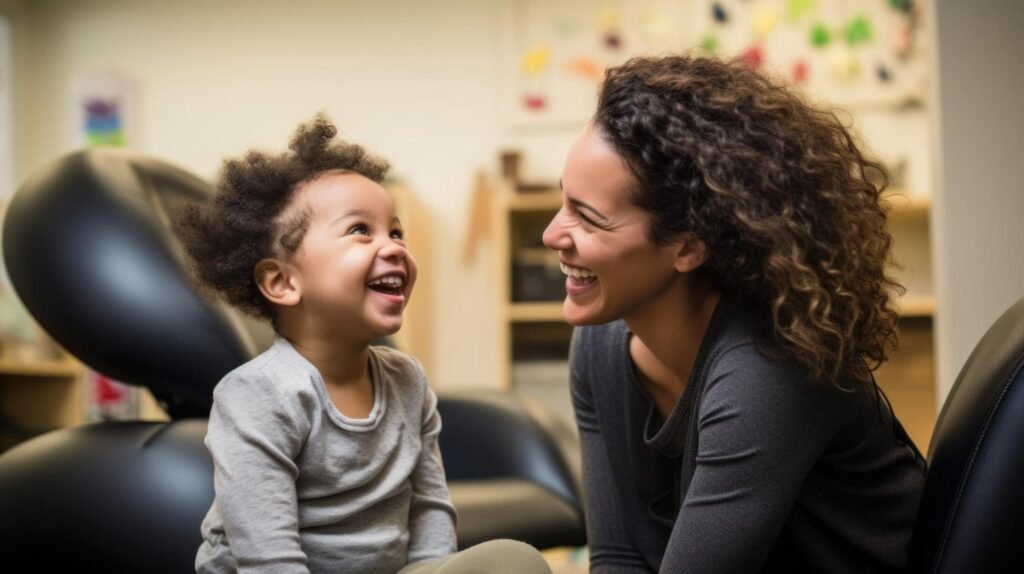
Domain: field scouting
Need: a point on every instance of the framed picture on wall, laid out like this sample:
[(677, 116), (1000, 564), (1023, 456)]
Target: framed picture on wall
[(104, 110)]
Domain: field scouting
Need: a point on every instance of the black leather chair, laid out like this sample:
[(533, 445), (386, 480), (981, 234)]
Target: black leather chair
[(972, 510), (90, 247)]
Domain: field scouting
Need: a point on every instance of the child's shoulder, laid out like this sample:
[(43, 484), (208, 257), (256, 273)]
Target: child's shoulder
[(398, 367), (270, 372)]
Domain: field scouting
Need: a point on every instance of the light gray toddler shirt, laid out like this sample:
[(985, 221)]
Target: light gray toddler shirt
[(300, 487)]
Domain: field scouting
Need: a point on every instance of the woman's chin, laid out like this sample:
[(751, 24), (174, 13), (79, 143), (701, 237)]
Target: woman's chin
[(580, 316)]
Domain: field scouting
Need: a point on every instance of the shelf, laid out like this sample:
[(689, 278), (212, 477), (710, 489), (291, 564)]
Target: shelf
[(535, 200), (536, 312), (51, 368), (916, 306), (906, 204)]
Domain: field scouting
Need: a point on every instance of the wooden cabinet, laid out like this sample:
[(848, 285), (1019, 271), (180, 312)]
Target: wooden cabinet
[(416, 336), (908, 378), (530, 284), (38, 395)]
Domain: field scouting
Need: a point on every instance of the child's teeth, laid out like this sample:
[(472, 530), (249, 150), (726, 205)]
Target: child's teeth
[(390, 281)]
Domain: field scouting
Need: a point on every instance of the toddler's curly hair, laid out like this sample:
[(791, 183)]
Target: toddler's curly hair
[(226, 237)]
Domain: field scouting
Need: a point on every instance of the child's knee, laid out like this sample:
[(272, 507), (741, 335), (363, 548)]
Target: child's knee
[(507, 556)]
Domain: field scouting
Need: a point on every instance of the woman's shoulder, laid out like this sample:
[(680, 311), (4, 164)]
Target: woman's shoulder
[(743, 365)]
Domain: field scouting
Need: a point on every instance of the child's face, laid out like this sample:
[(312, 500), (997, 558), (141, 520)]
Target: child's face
[(353, 270)]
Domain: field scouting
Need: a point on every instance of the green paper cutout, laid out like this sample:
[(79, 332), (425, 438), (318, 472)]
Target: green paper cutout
[(857, 31), (709, 44), (820, 36), (796, 9)]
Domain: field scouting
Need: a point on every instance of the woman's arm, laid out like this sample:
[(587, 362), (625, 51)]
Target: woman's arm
[(431, 514), (610, 545), (254, 438), (762, 427)]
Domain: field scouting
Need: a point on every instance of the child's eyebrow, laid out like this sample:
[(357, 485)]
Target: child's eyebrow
[(361, 213), (353, 213)]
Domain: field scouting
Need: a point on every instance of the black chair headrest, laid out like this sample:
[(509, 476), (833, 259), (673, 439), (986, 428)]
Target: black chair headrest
[(970, 514), (90, 247)]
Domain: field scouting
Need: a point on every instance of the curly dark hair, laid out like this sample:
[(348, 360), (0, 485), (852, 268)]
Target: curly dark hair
[(226, 237), (778, 191)]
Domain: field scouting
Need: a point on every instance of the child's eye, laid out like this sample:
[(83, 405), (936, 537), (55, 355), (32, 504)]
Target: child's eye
[(359, 229), (397, 234)]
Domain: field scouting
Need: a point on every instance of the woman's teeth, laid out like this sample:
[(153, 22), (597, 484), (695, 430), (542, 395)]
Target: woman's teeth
[(577, 273)]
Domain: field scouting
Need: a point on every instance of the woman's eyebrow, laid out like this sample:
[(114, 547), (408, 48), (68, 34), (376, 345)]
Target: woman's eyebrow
[(583, 205), (580, 205)]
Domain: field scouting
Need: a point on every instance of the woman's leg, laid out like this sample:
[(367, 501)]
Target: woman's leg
[(492, 557)]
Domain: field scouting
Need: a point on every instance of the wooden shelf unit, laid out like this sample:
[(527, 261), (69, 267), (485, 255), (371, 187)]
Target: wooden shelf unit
[(38, 395), (510, 209)]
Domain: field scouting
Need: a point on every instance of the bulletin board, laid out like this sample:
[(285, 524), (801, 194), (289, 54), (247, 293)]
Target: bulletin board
[(847, 53)]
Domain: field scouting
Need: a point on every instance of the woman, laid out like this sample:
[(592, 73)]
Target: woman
[(726, 253)]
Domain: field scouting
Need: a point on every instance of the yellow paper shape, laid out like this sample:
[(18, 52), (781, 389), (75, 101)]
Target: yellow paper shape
[(607, 20), (536, 60), (765, 19), (656, 28), (843, 63)]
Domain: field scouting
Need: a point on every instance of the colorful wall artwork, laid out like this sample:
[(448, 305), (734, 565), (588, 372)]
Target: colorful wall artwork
[(103, 110), (848, 53)]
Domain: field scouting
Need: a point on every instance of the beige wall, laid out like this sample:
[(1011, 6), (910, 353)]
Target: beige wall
[(414, 81), (979, 215), (419, 82)]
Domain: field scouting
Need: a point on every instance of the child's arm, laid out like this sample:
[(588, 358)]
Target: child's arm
[(431, 516), (254, 436)]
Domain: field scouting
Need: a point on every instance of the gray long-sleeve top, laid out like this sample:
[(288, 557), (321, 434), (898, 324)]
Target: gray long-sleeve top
[(302, 488), (755, 469)]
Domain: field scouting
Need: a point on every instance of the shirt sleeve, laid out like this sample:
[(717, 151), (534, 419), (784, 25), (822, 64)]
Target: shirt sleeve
[(254, 435), (431, 513), (610, 544), (762, 426)]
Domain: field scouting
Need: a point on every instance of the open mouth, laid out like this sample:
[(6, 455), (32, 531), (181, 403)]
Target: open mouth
[(578, 274), (388, 284)]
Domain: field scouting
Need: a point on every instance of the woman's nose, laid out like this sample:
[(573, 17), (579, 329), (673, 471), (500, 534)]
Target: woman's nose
[(555, 236)]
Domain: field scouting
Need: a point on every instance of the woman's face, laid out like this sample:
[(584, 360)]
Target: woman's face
[(613, 270)]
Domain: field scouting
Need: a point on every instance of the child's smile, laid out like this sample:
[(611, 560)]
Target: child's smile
[(353, 269)]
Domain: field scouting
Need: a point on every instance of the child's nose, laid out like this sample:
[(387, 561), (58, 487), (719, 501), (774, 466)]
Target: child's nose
[(555, 236), (393, 250)]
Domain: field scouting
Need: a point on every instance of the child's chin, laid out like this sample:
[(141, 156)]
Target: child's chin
[(389, 328)]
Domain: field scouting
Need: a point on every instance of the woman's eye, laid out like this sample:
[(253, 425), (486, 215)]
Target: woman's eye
[(358, 229), (397, 234), (586, 220)]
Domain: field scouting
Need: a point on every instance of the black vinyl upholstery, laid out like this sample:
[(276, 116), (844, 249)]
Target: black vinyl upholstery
[(972, 510), (90, 247)]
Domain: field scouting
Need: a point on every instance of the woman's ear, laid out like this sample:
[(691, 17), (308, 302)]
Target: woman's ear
[(278, 282), (691, 252)]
